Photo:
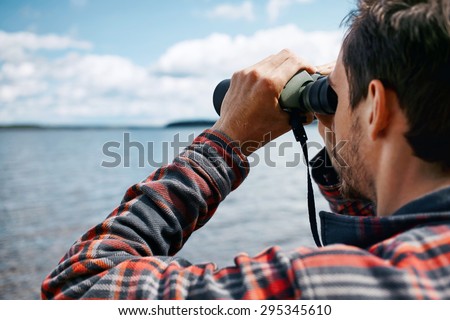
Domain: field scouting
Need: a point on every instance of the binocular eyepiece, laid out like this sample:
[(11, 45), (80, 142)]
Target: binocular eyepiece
[(304, 92)]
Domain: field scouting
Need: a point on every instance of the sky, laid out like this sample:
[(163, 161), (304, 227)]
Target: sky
[(146, 62)]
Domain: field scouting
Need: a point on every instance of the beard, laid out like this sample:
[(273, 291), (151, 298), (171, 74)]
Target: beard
[(356, 183)]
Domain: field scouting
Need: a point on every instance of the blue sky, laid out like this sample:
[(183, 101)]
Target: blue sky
[(144, 61)]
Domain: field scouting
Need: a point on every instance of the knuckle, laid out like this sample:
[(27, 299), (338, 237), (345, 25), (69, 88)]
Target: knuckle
[(238, 74), (254, 74), (286, 52), (269, 84), (260, 81), (301, 61)]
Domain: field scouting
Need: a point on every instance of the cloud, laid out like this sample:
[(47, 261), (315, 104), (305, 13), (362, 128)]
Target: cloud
[(221, 54), (18, 45), (77, 86), (274, 7), (233, 12), (80, 87)]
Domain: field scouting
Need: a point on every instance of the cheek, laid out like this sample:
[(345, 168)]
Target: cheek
[(342, 123)]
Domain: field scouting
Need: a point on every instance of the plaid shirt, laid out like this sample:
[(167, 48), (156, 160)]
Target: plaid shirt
[(130, 254)]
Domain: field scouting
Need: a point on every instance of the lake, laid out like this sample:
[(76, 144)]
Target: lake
[(55, 184)]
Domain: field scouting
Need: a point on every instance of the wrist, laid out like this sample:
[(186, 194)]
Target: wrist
[(239, 137)]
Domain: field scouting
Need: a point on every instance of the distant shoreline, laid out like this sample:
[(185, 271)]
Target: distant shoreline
[(193, 123), (73, 127), (171, 125), (176, 124)]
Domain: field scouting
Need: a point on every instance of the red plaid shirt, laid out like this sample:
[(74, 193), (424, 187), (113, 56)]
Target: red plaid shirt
[(130, 255)]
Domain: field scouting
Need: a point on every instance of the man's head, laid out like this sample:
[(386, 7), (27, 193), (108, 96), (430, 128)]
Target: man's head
[(396, 52), (406, 45)]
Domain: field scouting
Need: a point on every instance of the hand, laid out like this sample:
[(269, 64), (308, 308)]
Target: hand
[(250, 112), (326, 69), (326, 121)]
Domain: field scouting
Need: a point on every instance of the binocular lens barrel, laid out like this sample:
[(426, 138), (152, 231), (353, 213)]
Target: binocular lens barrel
[(309, 93), (319, 97), (219, 94)]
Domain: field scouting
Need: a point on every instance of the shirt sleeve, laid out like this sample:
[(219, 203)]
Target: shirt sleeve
[(328, 182), (155, 217), (130, 255)]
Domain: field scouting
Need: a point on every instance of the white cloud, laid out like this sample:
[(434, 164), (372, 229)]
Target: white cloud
[(10, 93), (81, 87), (233, 12), (274, 7), (16, 46), (31, 41), (221, 54)]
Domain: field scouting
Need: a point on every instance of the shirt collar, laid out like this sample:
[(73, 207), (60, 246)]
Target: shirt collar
[(366, 231)]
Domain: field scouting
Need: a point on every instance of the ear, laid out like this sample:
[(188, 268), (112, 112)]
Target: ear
[(378, 109)]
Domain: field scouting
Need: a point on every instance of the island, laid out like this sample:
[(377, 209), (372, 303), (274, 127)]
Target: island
[(191, 123)]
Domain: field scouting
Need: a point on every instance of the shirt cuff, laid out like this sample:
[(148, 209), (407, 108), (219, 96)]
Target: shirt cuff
[(322, 170), (215, 144)]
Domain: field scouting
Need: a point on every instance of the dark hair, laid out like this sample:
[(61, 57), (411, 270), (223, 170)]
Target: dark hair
[(406, 45)]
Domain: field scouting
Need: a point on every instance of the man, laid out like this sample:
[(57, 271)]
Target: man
[(392, 80)]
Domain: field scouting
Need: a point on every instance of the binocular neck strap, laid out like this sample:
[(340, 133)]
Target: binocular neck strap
[(296, 122)]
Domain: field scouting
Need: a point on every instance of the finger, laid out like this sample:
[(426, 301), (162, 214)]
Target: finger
[(308, 67), (280, 68), (326, 69), (272, 61), (326, 120), (287, 59), (309, 118), (289, 68)]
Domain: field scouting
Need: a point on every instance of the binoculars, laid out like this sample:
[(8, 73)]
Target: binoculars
[(304, 93)]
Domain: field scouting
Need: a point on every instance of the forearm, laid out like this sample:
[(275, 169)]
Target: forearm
[(158, 215), (181, 197)]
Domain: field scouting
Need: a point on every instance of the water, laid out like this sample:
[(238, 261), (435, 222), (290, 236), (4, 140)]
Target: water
[(53, 188)]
